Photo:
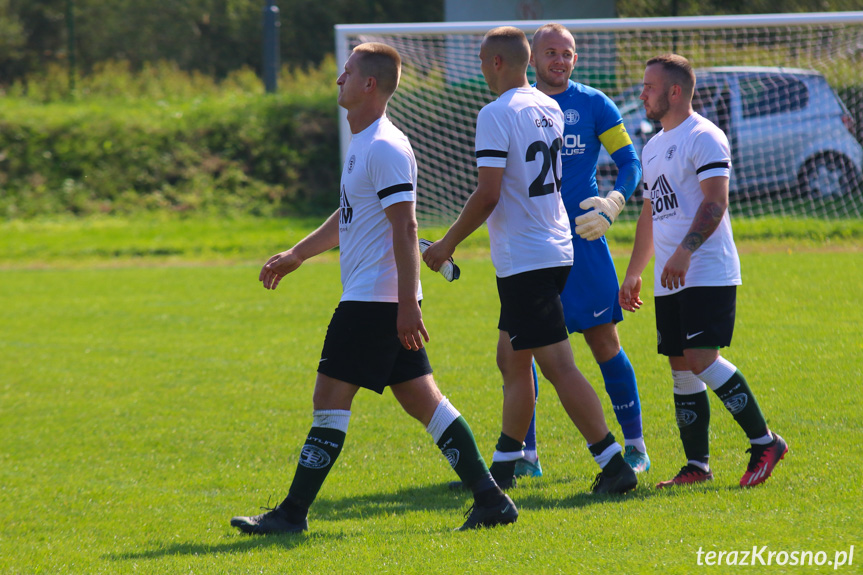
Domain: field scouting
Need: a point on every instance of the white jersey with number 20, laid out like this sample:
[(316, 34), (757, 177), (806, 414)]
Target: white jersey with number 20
[(522, 132)]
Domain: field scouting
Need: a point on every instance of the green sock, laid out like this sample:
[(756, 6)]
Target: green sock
[(319, 453), (458, 445), (742, 405), (693, 421)]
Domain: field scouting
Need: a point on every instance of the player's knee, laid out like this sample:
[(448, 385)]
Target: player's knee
[(419, 397), (603, 342)]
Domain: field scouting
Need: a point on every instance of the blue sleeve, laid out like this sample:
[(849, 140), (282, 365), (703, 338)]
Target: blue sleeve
[(617, 142), (628, 170)]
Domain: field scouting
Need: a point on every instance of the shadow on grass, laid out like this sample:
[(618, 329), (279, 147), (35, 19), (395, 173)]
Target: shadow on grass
[(242, 543), (437, 497), (441, 497), (539, 496)]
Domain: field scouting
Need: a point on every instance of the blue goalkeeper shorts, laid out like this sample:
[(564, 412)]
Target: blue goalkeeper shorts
[(590, 295)]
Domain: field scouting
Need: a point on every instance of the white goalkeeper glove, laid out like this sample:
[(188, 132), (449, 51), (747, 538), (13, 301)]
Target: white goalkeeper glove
[(448, 269), (593, 224)]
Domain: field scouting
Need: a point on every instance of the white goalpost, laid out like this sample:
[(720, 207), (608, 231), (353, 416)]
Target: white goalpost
[(786, 88)]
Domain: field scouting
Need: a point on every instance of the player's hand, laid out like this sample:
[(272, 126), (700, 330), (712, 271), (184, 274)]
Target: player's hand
[(674, 273), (448, 269), (278, 267), (602, 213), (630, 292), (409, 323), (436, 254)]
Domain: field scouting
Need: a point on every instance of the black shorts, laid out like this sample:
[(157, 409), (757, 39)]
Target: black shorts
[(362, 347), (695, 317), (530, 308)]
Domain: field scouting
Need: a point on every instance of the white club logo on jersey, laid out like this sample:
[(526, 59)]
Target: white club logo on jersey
[(351, 163), (670, 152), (571, 117)]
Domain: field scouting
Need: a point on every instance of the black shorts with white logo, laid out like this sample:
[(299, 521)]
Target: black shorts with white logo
[(530, 307), (362, 347), (695, 317)]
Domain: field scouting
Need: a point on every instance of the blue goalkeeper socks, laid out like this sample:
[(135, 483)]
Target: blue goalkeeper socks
[(622, 389), (530, 438)]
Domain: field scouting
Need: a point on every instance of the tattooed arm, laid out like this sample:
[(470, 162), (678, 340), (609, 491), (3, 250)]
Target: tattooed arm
[(704, 223)]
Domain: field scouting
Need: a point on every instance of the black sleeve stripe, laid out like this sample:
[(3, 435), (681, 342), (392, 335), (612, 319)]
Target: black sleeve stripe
[(490, 154), (394, 190), (712, 166)]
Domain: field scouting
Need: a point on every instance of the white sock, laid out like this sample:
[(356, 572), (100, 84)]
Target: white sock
[(686, 383), (718, 373), (506, 456), (443, 417), (764, 440), (603, 458), (638, 443), (331, 419)]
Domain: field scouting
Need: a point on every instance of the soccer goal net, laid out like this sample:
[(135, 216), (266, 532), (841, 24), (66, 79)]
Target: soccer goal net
[(787, 89)]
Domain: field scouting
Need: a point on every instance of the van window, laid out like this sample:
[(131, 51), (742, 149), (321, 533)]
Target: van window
[(767, 95)]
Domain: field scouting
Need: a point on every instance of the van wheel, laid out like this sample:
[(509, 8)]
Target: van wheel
[(827, 177)]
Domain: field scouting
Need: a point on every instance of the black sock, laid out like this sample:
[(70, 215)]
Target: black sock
[(486, 492), (616, 462), (693, 420), (294, 509), (504, 471), (741, 404), (319, 453)]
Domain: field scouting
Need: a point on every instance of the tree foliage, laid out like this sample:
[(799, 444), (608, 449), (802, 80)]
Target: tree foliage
[(209, 36), (217, 36), (654, 8)]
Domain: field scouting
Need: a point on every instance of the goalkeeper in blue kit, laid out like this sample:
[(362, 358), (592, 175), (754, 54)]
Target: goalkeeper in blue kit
[(590, 298)]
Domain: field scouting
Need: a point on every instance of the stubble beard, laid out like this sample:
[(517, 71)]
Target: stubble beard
[(657, 112)]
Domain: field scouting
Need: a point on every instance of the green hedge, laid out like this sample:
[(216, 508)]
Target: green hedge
[(255, 154)]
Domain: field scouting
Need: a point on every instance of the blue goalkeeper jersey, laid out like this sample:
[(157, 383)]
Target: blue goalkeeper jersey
[(591, 120)]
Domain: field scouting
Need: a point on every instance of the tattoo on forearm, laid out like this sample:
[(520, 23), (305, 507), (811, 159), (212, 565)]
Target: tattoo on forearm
[(706, 220)]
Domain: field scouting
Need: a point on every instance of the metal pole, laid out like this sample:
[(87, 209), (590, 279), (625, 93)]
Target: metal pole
[(674, 37), (70, 25), (271, 46)]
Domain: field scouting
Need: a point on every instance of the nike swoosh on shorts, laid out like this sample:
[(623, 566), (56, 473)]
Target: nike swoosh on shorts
[(599, 313)]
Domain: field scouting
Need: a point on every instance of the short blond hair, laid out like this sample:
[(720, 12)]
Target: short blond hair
[(509, 42), (551, 27), (382, 62)]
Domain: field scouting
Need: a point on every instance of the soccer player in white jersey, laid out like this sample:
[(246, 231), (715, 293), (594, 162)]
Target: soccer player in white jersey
[(518, 143), (590, 303), (685, 222), (375, 337)]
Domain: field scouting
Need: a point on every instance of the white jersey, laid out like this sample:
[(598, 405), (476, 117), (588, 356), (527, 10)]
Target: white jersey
[(380, 170), (522, 132), (675, 162)]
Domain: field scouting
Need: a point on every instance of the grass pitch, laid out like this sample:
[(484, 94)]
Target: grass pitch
[(144, 405)]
